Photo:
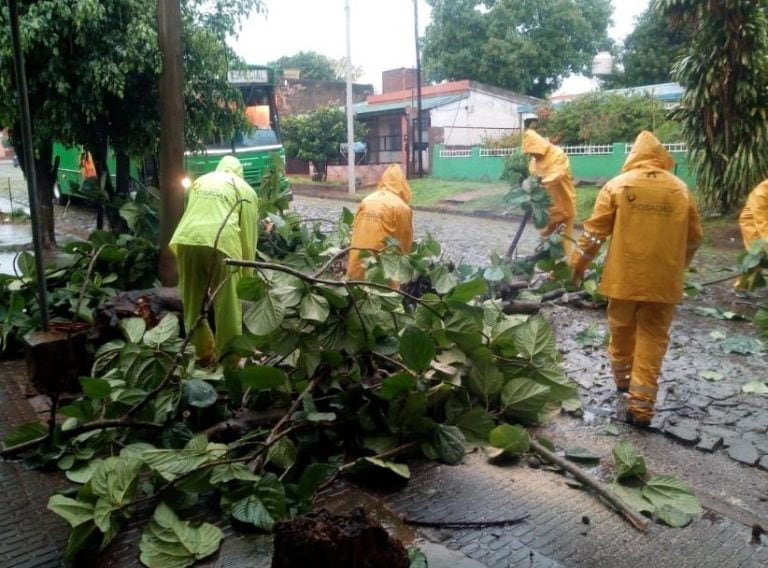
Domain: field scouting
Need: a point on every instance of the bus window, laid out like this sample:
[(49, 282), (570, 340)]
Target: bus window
[(258, 116)]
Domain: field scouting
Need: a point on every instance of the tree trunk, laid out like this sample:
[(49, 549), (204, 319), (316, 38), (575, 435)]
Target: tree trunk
[(123, 174), (171, 133), (45, 175)]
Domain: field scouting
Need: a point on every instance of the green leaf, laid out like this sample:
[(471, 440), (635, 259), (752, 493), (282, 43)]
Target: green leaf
[(251, 288), (168, 542), (628, 462), (230, 472), (74, 512), (449, 443), (313, 476), (25, 433), (283, 453), (485, 379), (314, 308), (265, 316), (466, 291), (571, 405), (166, 330), (133, 329), (262, 377), (199, 393), (633, 497), (417, 349), (668, 491), (476, 424), (755, 387), (581, 454), (115, 479), (417, 559), (673, 516), (251, 510), (395, 385), (95, 388), (742, 345), (524, 398), (443, 281), (513, 440), (534, 339), (170, 464), (363, 466), (711, 376)]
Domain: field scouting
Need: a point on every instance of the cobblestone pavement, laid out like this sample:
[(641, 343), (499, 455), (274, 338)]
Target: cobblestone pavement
[(468, 239)]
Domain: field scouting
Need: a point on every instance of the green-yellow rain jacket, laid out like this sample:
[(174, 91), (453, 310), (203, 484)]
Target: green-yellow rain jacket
[(209, 202), (654, 227), (385, 213)]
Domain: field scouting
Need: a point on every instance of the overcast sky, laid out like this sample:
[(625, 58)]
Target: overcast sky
[(382, 33)]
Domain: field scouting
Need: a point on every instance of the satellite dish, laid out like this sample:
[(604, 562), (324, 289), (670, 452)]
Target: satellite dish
[(602, 64)]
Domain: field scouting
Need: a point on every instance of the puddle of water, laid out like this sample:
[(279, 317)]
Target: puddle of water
[(15, 235), (6, 262)]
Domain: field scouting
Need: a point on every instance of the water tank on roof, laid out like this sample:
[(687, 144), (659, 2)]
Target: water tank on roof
[(602, 64)]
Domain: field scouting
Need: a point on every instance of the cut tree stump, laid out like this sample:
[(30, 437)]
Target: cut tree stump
[(325, 540)]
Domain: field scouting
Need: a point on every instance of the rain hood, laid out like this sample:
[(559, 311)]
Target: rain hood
[(394, 180), (648, 152)]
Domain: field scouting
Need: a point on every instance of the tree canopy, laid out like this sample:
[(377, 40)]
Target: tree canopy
[(724, 108), (92, 71), (311, 64), (315, 137), (527, 46), (650, 51), (604, 118)]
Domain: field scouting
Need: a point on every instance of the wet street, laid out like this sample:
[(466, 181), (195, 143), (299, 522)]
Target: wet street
[(467, 239), (709, 431)]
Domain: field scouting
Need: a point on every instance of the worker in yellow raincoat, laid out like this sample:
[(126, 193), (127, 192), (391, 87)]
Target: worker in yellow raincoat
[(383, 214), (753, 220), (551, 165), (655, 230), (220, 221)]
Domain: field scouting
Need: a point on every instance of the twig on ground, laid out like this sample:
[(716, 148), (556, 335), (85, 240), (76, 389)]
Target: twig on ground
[(635, 519)]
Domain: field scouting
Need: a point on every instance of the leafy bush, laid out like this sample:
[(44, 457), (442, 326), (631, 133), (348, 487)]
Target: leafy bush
[(605, 118)]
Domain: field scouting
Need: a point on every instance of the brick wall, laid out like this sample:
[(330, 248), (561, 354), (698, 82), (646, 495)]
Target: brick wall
[(302, 96), (395, 80)]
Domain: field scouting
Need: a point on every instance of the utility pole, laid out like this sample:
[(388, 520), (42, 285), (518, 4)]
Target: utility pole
[(171, 133), (419, 129), (350, 111), (29, 160)]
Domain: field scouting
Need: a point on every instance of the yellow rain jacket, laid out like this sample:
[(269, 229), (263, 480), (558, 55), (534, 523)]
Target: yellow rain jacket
[(383, 214), (654, 227), (551, 164), (209, 201), (753, 220)]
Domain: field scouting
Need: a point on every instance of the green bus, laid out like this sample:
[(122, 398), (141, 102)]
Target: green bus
[(254, 149)]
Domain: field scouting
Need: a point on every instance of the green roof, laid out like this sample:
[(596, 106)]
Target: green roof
[(426, 104)]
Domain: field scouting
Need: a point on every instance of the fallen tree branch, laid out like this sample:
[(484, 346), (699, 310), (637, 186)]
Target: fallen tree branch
[(88, 427), (635, 519)]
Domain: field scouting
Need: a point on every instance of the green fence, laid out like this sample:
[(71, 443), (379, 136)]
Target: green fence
[(597, 163)]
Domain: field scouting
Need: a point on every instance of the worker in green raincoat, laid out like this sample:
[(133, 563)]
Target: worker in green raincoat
[(220, 221)]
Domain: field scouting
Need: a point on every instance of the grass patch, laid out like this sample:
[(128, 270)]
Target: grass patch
[(306, 180), (430, 191), (585, 201)]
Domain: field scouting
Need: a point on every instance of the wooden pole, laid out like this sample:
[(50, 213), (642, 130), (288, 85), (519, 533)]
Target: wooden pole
[(171, 133)]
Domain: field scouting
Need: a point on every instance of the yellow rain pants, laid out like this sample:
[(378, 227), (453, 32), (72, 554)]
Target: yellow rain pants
[(753, 220), (654, 231), (219, 221), (383, 214), (197, 267), (639, 340), (551, 164)]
